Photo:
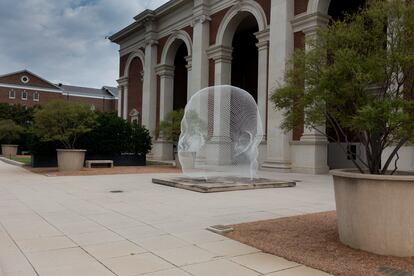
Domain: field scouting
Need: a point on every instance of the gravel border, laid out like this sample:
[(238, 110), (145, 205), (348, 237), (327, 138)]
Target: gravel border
[(313, 240)]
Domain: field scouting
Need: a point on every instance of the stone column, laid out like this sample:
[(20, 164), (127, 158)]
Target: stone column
[(311, 153), (201, 42), (166, 73), (163, 150), (125, 115), (119, 101), (219, 148), (222, 56), (149, 97), (280, 51), (263, 52), (123, 98), (190, 75)]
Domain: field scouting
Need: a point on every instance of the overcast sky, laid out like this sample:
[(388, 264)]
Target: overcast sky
[(64, 40)]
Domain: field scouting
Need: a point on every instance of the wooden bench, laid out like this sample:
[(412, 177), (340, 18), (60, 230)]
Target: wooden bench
[(99, 163)]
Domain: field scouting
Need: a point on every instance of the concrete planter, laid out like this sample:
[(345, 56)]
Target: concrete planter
[(375, 212), (70, 160), (9, 150)]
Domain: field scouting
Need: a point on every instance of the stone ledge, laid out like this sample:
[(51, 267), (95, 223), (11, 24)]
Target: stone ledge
[(11, 162), (222, 184)]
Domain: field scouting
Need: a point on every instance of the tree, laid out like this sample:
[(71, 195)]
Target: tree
[(110, 130), (22, 115), (170, 127), (10, 132), (358, 75), (64, 122)]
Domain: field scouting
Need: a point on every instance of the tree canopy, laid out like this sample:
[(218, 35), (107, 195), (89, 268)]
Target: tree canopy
[(356, 77)]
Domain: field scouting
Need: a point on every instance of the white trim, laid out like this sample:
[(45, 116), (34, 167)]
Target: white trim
[(31, 73), (24, 92), (228, 27), (137, 53), (321, 6), (38, 96), (170, 47), (14, 94), (87, 96), (29, 88)]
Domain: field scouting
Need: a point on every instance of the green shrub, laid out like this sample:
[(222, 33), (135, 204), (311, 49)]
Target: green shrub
[(10, 132), (140, 141), (64, 122), (170, 127), (108, 135)]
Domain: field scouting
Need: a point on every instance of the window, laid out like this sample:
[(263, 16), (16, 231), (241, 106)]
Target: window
[(36, 96), (24, 95), (12, 94)]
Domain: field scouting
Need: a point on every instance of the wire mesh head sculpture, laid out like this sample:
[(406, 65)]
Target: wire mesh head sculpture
[(220, 134)]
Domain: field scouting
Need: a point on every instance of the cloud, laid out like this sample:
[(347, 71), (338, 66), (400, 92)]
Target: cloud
[(64, 41)]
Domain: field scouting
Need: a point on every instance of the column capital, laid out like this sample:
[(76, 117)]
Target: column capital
[(164, 70), (123, 81), (220, 53), (151, 42), (309, 23), (189, 60), (263, 36), (200, 19)]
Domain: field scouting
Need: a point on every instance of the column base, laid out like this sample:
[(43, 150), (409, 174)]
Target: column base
[(310, 157), (218, 153), (163, 150), (278, 166)]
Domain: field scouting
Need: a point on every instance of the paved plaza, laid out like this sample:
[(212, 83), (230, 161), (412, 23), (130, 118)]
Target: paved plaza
[(76, 226)]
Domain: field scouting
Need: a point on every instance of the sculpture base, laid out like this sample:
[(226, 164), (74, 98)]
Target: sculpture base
[(222, 184)]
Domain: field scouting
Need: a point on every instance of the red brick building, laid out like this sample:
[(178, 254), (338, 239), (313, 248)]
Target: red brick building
[(28, 89)]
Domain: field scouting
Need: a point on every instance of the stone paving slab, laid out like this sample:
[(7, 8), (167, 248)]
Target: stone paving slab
[(73, 225), (222, 184)]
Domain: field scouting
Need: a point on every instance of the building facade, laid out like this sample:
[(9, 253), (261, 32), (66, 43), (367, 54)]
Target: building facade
[(28, 89), (168, 54)]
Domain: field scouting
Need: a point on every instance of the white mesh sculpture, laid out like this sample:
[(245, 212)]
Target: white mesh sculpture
[(220, 134)]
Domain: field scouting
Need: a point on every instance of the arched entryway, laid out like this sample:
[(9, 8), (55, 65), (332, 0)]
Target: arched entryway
[(180, 78), (135, 88), (244, 68), (174, 73), (131, 92), (241, 52)]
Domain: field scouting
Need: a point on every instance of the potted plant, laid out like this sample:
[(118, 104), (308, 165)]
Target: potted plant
[(10, 133), (170, 129), (65, 122), (358, 75)]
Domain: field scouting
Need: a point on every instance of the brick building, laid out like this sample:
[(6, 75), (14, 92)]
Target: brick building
[(168, 54), (28, 89)]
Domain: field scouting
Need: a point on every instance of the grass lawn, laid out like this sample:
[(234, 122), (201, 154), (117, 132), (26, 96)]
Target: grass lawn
[(27, 160)]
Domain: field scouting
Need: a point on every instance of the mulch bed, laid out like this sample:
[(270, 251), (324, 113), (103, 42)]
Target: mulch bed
[(107, 171), (313, 240)]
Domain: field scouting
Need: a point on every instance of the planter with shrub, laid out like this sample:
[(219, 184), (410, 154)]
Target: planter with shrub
[(125, 143), (10, 133), (64, 122), (358, 76)]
